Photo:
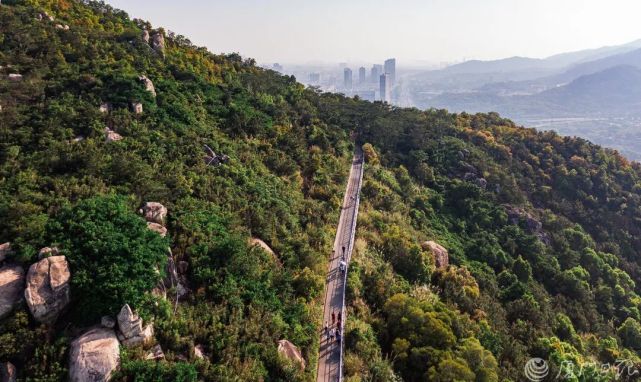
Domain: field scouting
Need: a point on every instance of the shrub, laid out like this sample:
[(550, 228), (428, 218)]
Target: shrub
[(114, 258)]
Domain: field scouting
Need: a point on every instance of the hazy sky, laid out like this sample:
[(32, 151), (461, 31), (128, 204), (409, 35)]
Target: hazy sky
[(410, 30)]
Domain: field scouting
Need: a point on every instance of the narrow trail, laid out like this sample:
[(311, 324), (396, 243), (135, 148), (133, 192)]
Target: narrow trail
[(330, 360)]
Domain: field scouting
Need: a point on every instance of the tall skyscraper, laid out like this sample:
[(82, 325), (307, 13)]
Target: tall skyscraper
[(390, 68), (376, 71), (385, 88), (348, 78), (361, 75), (314, 78)]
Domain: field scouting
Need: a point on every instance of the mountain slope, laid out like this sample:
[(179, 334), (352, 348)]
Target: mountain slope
[(541, 231)]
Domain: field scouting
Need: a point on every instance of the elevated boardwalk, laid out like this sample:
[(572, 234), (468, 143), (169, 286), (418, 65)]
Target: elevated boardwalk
[(330, 360)]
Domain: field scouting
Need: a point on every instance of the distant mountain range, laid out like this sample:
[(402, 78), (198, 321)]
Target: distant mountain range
[(559, 61), (613, 91), (604, 81)]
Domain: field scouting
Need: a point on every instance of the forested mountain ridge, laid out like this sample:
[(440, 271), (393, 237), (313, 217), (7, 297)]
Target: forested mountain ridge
[(542, 231)]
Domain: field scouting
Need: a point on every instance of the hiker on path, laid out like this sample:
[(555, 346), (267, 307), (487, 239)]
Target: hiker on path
[(333, 317)]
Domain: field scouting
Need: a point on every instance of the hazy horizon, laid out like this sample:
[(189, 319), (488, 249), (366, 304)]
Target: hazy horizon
[(413, 31)]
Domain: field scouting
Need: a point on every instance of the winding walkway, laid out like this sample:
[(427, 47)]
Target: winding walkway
[(330, 359)]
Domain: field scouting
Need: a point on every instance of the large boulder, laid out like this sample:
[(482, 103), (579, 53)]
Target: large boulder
[(131, 329), (529, 223), (48, 290), (291, 352), (158, 42), (11, 288), (441, 257), (149, 86), (158, 228), (155, 354), (154, 212), (105, 107), (517, 214), (199, 352), (136, 107), (5, 250), (112, 136), (256, 242), (94, 356)]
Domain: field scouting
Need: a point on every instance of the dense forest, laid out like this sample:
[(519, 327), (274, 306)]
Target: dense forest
[(102, 115)]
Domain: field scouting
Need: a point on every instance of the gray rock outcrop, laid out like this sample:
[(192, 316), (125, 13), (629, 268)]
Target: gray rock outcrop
[(530, 224), (256, 242), (291, 352), (158, 228), (155, 354), (154, 212), (136, 107), (149, 86), (11, 288), (105, 107), (158, 42), (8, 372), (440, 254), (5, 250), (48, 291), (112, 136), (94, 356), (131, 329), (199, 352)]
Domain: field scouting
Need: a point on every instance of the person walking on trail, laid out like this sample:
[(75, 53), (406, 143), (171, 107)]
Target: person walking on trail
[(333, 317), (331, 335), (326, 330), (339, 317), (342, 266)]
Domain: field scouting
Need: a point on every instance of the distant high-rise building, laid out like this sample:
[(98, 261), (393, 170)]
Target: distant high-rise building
[(361, 75), (385, 87), (314, 78), (347, 78), (277, 67), (390, 68), (376, 71)]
